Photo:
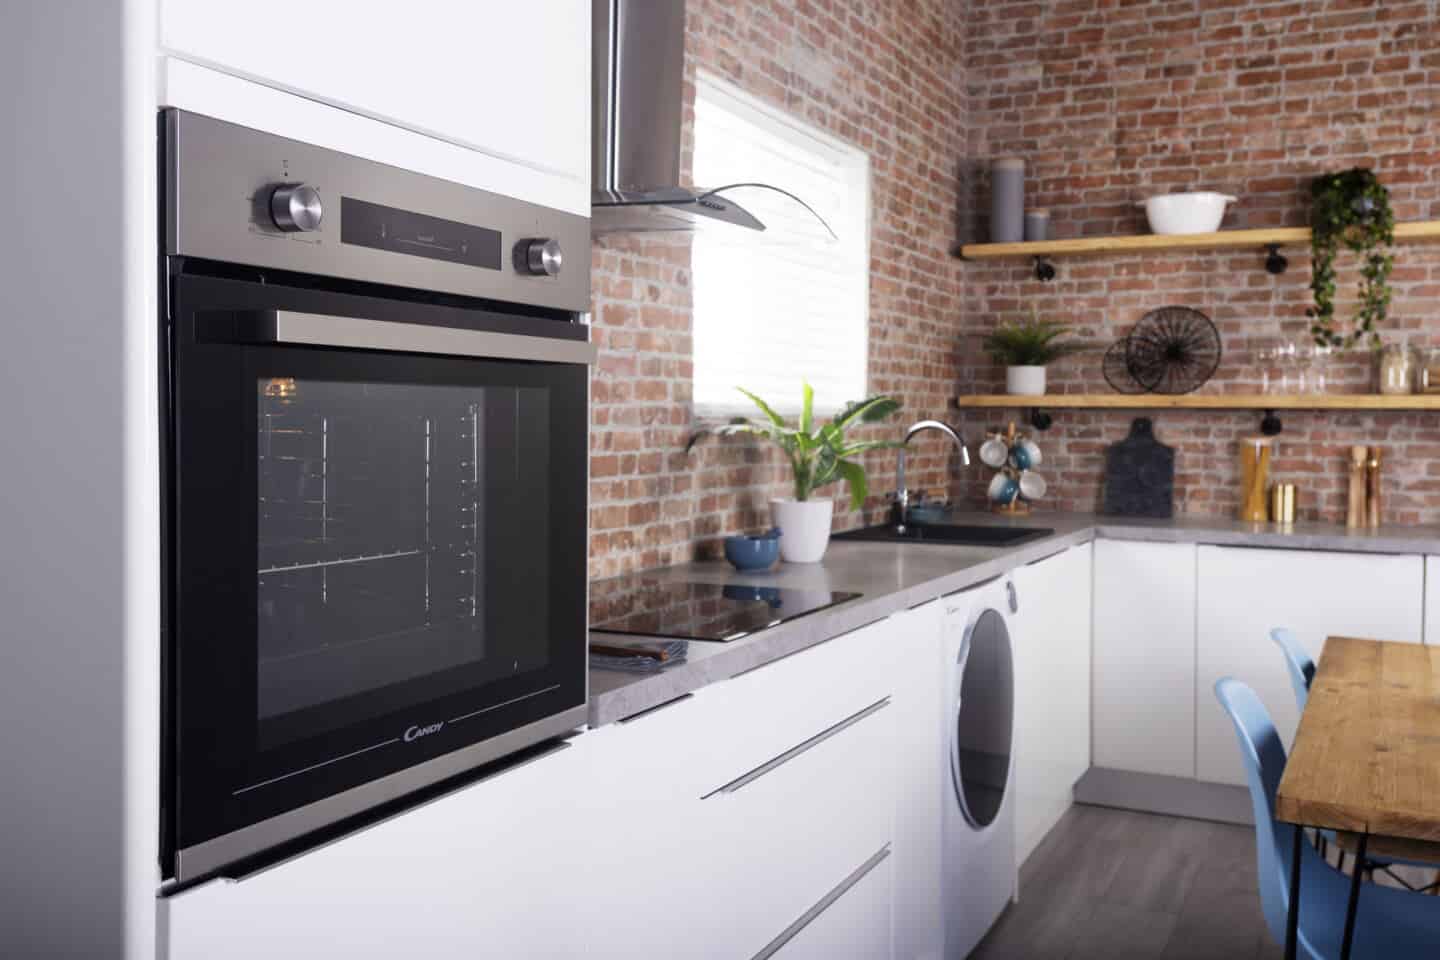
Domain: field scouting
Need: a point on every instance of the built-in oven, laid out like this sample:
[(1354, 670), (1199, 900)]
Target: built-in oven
[(375, 413)]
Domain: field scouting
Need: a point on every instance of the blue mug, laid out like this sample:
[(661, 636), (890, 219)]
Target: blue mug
[(1025, 455), (1003, 489)]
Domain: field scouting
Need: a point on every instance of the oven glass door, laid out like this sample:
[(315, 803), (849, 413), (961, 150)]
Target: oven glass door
[(379, 557)]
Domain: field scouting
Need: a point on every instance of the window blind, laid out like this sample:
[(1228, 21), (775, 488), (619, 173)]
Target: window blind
[(774, 309)]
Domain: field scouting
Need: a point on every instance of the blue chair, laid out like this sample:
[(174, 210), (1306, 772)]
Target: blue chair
[(1302, 668), (1390, 923)]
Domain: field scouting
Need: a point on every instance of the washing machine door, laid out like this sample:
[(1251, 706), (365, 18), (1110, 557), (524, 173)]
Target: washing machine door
[(984, 719)]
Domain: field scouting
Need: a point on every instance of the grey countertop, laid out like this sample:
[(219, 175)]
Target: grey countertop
[(895, 576)]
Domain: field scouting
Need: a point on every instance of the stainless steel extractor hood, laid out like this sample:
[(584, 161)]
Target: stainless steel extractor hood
[(638, 110)]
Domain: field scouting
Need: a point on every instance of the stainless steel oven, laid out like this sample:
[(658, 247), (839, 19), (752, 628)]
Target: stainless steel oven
[(375, 418)]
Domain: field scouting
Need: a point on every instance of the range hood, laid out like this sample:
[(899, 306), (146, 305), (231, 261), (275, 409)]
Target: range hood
[(637, 112)]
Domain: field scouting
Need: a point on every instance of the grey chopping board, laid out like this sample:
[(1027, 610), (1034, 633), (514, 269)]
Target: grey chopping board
[(1140, 475)]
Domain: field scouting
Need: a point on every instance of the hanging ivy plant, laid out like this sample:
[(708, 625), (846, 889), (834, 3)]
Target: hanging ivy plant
[(1350, 209)]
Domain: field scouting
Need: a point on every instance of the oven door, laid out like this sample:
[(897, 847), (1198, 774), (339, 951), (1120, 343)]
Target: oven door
[(377, 553)]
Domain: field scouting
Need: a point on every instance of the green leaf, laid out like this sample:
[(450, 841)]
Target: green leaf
[(818, 457), (854, 475), (765, 408), (868, 410), (1032, 343), (861, 446)]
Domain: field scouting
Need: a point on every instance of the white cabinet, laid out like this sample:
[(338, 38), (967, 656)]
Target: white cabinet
[(725, 817), (509, 81), (853, 926), (1144, 657), (1245, 592), (1052, 690), (1432, 600), (919, 783), (499, 869)]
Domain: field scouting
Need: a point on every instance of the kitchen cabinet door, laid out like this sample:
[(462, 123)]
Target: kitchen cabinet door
[(1245, 592), (920, 773), (659, 852), (1052, 690), (498, 869), (1144, 657), (726, 815), (511, 81), (1432, 600), (854, 926)]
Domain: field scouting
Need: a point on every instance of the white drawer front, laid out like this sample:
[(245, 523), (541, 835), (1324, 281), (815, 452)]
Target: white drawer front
[(794, 828), (769, 710), (855, 925)]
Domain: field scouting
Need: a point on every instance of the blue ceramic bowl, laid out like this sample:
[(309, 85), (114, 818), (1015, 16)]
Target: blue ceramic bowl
[(928, 513), (753, 553)]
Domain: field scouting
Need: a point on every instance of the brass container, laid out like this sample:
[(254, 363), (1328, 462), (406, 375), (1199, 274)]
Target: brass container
[(1282, 503), (1254, 478)]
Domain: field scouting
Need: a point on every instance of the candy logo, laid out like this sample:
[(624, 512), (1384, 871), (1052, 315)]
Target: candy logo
[(415, 733)]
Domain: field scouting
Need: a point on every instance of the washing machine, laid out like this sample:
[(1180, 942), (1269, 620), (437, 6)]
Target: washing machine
[(978, 869)]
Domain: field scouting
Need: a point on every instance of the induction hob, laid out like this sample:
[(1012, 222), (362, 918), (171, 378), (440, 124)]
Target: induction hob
[(650, 606)]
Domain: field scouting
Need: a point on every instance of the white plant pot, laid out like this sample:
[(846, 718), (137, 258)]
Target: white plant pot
[(1025, 380), (804, 528)]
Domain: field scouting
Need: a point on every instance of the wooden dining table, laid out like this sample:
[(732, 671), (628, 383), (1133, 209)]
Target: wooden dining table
[(1366, 761)]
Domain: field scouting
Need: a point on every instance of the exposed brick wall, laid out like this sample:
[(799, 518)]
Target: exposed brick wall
[(1110, 102), (884, 76)]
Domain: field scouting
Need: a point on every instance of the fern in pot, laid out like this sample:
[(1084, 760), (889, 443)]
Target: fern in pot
[(1026, 349), (819, 455)]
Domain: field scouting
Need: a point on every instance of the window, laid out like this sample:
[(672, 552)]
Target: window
[(776, 308)]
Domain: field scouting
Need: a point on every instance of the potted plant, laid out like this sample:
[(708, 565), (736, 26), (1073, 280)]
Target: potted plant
[(819, 455), (1026, 348), (1350, 208)]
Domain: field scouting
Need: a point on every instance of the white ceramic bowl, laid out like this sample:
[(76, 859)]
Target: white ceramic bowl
[(1199, 212)]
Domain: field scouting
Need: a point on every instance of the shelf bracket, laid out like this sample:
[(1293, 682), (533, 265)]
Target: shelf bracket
[(1270, 424), (1275, 264), (1040, 420), (1044, 269)]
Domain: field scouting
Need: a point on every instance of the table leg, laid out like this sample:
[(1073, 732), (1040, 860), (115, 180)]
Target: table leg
[(1354, 897), (1292, 921)]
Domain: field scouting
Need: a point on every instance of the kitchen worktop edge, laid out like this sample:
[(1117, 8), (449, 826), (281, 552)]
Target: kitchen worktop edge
[(894, 577)]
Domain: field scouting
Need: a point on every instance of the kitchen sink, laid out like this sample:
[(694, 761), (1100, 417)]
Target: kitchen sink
[(969, 535)]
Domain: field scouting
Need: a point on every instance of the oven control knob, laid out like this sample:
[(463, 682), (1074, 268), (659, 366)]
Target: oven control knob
[(543, 257), (296, 208)]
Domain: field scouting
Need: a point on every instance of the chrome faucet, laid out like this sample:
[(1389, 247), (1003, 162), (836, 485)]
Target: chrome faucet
[(902, 493)]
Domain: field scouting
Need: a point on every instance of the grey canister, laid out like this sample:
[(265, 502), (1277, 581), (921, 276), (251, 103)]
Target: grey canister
[(1007, 200), (1037, 225)]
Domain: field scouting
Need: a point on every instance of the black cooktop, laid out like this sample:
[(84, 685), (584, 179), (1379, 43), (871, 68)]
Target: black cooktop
[(649, 606)]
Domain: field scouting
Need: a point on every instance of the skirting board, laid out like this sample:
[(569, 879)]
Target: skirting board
[(1174, 796)]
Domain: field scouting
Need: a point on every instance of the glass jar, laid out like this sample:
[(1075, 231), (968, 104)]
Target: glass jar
[(1430, 372), (1396, 369)]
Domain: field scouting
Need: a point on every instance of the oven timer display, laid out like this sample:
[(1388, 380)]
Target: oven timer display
[(364, 224)]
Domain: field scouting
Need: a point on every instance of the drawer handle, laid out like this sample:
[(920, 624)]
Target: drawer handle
[(656, 709), (824, 904), (748, 778)]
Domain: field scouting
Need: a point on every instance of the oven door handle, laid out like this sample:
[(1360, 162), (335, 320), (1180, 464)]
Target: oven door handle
[(357, 333)]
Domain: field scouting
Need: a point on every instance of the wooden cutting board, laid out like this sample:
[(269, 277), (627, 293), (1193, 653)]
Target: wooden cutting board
[(1140, 475)]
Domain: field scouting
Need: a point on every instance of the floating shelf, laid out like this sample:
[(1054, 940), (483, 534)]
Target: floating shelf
[(1277, 236), (1206, 401)]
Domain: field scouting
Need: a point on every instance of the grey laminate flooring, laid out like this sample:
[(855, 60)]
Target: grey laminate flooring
[(1133, 886)]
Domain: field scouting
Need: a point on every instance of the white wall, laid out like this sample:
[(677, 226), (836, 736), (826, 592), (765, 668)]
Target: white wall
[(78, 581)]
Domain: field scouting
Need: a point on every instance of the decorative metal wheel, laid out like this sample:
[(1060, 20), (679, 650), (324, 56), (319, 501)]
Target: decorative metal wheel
[(1173, 350), (1116, 367)]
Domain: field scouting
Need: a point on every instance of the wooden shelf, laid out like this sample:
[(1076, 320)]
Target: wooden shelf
[(1206, 401), (1284, 236)]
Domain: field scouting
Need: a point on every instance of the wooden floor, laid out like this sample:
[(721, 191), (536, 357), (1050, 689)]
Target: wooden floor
[(1132, 886)]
